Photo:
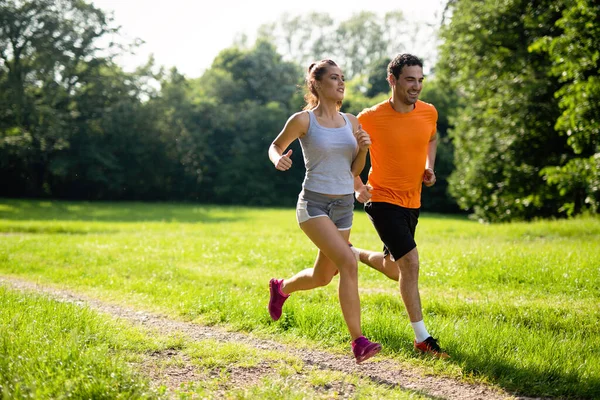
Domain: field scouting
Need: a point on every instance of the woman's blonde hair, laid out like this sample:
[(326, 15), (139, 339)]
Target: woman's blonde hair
[(315, 73)]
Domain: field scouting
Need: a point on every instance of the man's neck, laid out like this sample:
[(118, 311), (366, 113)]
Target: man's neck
[(401, 107)]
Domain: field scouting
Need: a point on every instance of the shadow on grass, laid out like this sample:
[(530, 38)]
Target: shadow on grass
[(53, 230), (54, 210), (517, 380), (530, 381)]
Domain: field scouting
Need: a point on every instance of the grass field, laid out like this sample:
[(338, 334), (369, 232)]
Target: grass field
[(516, 305)]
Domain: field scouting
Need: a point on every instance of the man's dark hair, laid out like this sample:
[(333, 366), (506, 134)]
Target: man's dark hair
[(395, 66)]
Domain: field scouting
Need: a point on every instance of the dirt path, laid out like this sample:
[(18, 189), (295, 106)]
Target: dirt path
[(388, 373)]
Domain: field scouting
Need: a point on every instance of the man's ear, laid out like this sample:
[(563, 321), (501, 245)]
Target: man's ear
[(391, 80)]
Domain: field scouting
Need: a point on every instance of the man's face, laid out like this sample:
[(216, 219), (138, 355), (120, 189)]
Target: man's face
[(408, 85)]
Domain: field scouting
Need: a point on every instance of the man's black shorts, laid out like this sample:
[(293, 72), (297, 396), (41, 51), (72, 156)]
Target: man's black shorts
[(395, 225)]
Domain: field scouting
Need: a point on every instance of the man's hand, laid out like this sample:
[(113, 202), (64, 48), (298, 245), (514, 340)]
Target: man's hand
[(429, 177), (363, 194)]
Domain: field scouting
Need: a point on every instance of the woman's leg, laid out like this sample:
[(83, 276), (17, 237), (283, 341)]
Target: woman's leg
[(319, 275), (333, 244)]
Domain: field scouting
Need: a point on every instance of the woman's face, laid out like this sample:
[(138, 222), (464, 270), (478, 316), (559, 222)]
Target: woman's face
[(332, 86)]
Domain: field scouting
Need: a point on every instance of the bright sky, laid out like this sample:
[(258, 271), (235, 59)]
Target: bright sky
[(188, 34)]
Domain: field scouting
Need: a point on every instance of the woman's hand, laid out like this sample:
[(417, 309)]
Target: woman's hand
[(284, 162), (362, 138)]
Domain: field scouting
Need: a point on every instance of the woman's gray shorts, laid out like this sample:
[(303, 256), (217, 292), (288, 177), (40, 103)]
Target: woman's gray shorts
[(339, 209)]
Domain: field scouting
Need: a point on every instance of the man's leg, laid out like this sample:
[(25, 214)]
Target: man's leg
[(408, 266), (379, 262), (406, 271)]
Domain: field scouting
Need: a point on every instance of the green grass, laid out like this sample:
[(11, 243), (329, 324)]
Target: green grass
[(54, 349), (58, 350), (515, 304)]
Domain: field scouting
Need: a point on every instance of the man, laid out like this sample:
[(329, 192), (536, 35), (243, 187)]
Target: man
[(403, 149)]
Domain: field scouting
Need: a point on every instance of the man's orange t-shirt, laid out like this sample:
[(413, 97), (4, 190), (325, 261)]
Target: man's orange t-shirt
[(399, 145)]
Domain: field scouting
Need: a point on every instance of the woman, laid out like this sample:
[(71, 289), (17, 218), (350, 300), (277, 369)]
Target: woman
[(335, 148)]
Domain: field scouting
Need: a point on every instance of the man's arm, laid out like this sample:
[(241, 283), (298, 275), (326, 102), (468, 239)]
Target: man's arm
[(429, 174)]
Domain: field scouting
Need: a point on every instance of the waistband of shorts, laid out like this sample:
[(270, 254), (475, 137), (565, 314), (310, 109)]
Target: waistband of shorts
[(309, 194)]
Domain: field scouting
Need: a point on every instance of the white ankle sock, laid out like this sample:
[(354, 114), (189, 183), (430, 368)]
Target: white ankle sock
[(420, 331), (356, 253)]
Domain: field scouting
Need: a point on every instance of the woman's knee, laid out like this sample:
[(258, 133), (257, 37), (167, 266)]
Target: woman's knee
[(348, 266)]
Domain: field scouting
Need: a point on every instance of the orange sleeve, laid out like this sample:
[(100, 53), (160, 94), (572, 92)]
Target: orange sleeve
[(435, 118), (365, 120)]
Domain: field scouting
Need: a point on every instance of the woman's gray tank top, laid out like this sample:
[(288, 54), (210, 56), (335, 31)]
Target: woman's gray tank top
[(328, 155)]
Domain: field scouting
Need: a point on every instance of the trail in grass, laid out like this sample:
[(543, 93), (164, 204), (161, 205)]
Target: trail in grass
[(383, 372)]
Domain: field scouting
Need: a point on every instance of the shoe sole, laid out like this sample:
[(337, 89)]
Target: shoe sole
[(273, 317), (369, 354)]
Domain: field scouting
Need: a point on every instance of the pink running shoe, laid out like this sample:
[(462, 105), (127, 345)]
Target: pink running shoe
[(277, 298), (364, 349)]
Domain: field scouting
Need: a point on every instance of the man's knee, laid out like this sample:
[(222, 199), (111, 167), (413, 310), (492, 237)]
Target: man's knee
[(322, 280), (409, 263)]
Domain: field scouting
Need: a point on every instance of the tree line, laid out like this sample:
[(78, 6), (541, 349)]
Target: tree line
[(516, 87)]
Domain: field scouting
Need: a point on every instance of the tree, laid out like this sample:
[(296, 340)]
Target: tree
[(301, 38), (354, 43), (360, 42), (259, 74), (243, 101), (575, 55), (46, 46), (437, 198), (74, 124), (377, 77), (504, 133)]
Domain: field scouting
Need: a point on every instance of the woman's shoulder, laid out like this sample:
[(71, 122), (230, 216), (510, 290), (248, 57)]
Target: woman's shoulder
[(351, 117), (301, 117), (353, 120), (299, 123)]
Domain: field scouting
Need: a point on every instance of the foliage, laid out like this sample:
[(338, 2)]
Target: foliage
[(74, 125), (72, 122), (437, 198), (575, 55), (46, 49), (377, 77), (504, 133), (356, 43)]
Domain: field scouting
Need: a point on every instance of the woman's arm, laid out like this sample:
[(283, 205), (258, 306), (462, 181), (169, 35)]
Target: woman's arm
[(364, 142), (295, 127)]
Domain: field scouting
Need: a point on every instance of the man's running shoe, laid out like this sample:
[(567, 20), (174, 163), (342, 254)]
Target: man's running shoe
[(277, 298), (364, 349), (430, 346)]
